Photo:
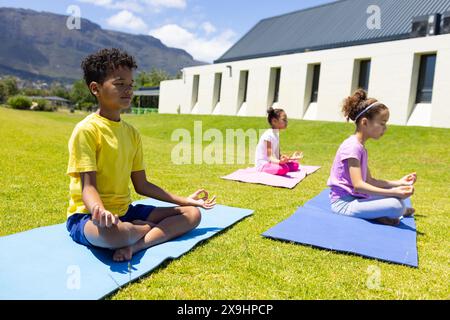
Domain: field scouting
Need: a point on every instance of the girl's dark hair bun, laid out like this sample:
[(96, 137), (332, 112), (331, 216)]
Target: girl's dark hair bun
[(273, 114), (354, 104)]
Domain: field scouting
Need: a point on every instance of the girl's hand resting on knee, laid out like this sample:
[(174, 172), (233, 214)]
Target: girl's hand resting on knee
[(200, 199), (409, 179), (403, 192), (103, 218), (284, 159)]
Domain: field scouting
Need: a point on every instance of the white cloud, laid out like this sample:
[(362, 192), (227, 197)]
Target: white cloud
[(133, 6), (201, 48), (138, 5), (127, 20), (100, 3), (177, 4), (208, 27)]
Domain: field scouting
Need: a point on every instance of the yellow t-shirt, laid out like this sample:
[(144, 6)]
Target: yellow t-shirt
[(113, 150)]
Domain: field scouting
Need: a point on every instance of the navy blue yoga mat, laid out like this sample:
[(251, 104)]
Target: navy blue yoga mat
[(45, 263), (314, 224)]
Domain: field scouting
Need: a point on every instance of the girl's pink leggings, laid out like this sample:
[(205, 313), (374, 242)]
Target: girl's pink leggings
[(280, 169)]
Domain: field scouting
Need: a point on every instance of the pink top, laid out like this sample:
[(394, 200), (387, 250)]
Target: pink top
[(340, 181)]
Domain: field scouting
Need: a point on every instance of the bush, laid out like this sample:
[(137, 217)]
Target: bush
[(50, 107), (19, 102), (87, 106), (42, 105)]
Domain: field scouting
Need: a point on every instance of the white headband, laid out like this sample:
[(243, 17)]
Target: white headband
[(367, 109)]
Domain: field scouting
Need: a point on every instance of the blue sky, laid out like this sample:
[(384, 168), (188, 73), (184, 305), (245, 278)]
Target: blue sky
[(204, 28)]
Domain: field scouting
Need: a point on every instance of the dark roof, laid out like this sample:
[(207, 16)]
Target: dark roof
[(149, 88), (147, 91), (332, 25), (50, 98)]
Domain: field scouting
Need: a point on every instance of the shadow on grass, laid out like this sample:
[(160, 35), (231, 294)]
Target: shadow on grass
[(105, 256)]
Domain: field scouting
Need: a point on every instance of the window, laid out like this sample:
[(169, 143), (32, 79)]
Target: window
[(315, 83), (276, 91), (274, 86), (217, 87), (243, 86), (195, 87), (364, 74), (426, 78)]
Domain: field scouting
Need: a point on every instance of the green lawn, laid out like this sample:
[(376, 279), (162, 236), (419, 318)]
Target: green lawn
[(239, 263)]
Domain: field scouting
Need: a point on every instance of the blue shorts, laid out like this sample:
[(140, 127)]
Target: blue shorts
[(75, 223)]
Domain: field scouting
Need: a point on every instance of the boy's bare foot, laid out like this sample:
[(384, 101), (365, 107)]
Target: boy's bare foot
[(123, 254), (409, 212), (388, 221), (126, 253)]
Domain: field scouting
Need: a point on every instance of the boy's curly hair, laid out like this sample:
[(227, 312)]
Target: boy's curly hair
[(97, 66)]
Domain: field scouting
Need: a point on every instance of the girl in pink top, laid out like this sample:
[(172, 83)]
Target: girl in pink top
[(267, 153), (354, 192)]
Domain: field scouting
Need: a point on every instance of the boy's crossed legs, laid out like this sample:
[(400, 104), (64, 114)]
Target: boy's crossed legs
[(163, 224)]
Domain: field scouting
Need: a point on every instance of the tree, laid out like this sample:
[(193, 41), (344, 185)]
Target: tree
[(59, 91), (11, 86), (8, 88), (35, 92), (81, 95), (151, 79), (3, 94)]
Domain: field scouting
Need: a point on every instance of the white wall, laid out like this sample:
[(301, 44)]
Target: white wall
[(393, 80), (172, 95)]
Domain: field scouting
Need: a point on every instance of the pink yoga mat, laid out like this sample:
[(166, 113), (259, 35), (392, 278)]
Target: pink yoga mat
[(251, 175)]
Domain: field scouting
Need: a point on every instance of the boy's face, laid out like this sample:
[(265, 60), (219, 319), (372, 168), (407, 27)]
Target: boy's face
[(116, 91)]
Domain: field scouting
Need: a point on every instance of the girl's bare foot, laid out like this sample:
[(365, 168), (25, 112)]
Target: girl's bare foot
[(388, 221), (123, 254), (409, 212)]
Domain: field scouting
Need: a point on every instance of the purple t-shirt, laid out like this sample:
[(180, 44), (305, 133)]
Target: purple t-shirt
[(340, 181)]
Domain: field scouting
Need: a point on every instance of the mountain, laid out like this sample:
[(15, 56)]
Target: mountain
[(38, 46)]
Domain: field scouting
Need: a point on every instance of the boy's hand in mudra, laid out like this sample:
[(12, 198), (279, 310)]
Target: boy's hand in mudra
[(103, 218), (200, 199)]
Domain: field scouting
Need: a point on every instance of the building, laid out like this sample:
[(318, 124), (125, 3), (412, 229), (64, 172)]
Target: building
[(54, 101), (147, 100), (308, 61), (148, 97)]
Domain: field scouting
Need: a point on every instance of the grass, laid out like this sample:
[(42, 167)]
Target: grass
[(239, 263)]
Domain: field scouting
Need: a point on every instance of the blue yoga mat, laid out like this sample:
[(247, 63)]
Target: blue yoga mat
[(45, 263), (316, 225)]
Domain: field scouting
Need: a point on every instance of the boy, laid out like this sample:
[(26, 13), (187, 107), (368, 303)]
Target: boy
[(104, 152)]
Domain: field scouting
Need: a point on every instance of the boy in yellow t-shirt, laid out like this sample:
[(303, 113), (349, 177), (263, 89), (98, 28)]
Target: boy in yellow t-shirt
[(104, 153)]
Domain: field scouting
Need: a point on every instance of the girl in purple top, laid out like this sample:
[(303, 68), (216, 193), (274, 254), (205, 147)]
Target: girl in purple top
[(354, 192)]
